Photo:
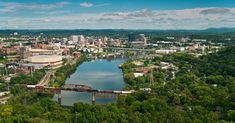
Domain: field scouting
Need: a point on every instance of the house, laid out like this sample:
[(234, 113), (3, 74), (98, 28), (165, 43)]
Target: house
[(138, 63), (166, 65), (142, 70), (138, 74)]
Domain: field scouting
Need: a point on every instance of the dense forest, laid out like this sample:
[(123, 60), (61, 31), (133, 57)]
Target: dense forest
[(202, 91)]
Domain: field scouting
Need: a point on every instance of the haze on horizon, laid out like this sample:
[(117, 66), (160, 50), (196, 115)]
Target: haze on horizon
[(116, 14)]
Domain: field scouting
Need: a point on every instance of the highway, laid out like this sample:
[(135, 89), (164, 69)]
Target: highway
[(130, 49), (46, 79)]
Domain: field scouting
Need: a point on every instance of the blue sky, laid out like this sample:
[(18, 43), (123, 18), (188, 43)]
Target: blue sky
[(116, 14)]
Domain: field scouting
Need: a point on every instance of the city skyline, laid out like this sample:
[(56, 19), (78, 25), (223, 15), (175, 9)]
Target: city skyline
[(122, 14)]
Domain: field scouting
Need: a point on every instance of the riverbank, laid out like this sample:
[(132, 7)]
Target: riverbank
[(137, 76), (65, 71), (128, 76)]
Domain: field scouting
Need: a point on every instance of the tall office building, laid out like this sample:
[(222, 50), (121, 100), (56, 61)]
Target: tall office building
[(74, 38), (131, 37), (24, 52), (141, 37), (78, 39), (64, 41), (81, 40), (137, 41)]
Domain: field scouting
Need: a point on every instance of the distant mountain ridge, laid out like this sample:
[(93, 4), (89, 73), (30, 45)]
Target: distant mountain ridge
[(212, 30), (223, 29)]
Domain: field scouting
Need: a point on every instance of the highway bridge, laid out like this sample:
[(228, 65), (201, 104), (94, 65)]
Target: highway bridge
[(130, 49)]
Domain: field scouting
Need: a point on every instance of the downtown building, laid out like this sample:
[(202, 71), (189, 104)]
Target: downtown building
[(78, 39), (137, 41)]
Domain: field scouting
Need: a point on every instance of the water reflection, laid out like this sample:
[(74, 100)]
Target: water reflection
[(99, 74)]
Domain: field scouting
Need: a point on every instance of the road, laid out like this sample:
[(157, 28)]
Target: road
[(4, 99), (130, 49), (46, 79)]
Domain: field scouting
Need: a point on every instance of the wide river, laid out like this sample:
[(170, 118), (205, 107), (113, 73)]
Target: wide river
[(98, 74)]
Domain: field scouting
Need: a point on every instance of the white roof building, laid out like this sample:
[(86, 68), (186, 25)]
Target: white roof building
[(50, 61)]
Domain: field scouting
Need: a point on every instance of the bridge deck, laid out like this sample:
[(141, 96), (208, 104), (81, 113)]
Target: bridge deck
[(76, 88)]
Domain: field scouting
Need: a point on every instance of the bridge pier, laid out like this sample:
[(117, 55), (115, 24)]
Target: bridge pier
[(93, 98), (59, 99)]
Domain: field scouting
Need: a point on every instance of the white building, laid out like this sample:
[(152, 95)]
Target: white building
[(166, 65), (199, 40), (165, 51), (44, 51), (77, 39), (50, 61), (74, 38), (64, 41), (81, 40), (138, 74)]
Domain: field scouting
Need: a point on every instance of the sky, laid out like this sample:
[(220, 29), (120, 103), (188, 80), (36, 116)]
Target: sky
[(116, 14)]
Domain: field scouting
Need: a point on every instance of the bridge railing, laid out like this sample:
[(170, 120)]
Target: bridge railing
[(76, 87)]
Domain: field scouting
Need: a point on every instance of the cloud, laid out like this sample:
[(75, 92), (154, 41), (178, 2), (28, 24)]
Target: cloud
[(140, 19), (14, 6), (55, 12), (142, 13), (215, 11), (86, 4)]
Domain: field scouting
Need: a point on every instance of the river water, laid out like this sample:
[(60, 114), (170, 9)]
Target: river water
[(98, 74)]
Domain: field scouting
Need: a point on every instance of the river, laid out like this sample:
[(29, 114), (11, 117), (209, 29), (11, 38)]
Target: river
[(98, 74)]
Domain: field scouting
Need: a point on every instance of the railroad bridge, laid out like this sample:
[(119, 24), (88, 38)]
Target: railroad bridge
[(78, 88)]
